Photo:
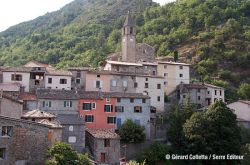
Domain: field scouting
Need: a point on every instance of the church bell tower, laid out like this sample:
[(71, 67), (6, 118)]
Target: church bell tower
[(128, 40)]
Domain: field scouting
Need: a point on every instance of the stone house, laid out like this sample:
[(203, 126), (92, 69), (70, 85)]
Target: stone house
[(242, 110), (23, 142), (29, 101), (78, 77), (10, 88), (58, 79), (214, 93), (104, 146), (194, 93), (10, 106), (55, 131)]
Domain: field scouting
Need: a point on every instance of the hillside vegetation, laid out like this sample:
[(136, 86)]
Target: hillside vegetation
[(214, 35)]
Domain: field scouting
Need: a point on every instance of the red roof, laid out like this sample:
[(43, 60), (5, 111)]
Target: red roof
[(27, 96)]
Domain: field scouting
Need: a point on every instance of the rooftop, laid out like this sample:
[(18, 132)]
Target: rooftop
[(10, 87), (123, 63), (79, 68), (212, 86), (38, 114), (76, 95), (72, 119), (193, 86), (245, 101), (18, 69), (52, 124), (36, 64), (103, 133), (173, 63), (27, 96), (58, 72)]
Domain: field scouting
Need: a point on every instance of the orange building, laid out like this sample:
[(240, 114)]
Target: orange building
[(98, 110)]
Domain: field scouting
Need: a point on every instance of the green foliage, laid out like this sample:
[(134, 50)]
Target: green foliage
[(62, 154), (214, 131), (130, 132), (175, 119), (246, 152), (155, 153), (244, 91), (134, 163)]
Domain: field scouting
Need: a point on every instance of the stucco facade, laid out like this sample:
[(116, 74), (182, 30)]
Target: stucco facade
[(214, 93), (127, 111), (174, 74), (58, 82)]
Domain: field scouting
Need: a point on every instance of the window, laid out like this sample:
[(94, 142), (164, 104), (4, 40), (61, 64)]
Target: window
[(165, 75), (143, 100), (146, 79), (131, 100), (111, 120), (93, 105), (199, 90), (215, 92), (181, 75), (165, 66), (78, 81), (220, 93), (72, 139), (108, 108), (98, 84), (181, 67), (113, 83), (49, 80), (158, 98), (138, 109), (165, 83), (98, 75), (199, 98), (107, 99), (86, 106), (106, 142), (67, 103), (135, 84), (146, 85), (7, 131), (184, 96), (63, 81), (71, 128), (154, 73), (208, 92), (47, 104), (125, 84), (89, 118), (119, 109), (2, 153), (158, 86), (103, 157), (16, 77), (118, 100)]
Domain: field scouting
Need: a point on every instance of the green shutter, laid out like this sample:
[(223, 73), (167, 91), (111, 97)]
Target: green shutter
[(43, 103), (65, 103), (70, 103), (49, 103)]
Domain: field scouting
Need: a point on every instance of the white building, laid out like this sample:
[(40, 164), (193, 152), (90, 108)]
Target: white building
[(242, 109), (153, 86), (174, 74), (214, 93), (18, 75), (58, 79)]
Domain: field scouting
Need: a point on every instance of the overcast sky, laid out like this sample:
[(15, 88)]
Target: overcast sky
[(13, 12)]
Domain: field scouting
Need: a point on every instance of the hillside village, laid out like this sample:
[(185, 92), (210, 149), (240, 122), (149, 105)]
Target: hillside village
[(84, 107)]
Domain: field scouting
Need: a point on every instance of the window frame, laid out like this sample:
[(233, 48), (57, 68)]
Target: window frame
[(7, 131), (110, 109), (137, 110), (113, 120), (83, 107), (92, 118)]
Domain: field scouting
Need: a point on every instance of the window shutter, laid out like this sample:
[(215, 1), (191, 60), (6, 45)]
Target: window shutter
[(111, 108), (65, 103), (49, 103), (70, 103), (105, 108), (122, 108), (101, 84), (43, 103), (86, 118)]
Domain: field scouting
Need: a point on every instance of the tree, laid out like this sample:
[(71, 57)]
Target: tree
[(175, 119), (134, 163), (176, 56), (155, 153), (214, 131), (244, 91), (131, 132), (62, 154)]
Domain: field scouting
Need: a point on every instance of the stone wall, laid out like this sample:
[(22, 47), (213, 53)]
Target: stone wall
[(28, 143), (10, 108)]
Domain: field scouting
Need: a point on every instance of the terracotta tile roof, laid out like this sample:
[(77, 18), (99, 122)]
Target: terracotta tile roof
[(58, 72), (212, 86), (76, 95), (27, 96), (123, 63), (52, 124), (38, 114), (36, 64), (103, 133), (173, 63), (10, 87), (18, 69), (245, 101), (12, 98)]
